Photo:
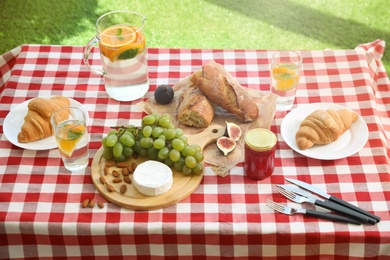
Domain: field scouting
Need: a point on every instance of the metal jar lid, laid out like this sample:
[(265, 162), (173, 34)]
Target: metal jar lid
[(260, 139)]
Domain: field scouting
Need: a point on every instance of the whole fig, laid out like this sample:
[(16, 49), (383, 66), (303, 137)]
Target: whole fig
[(164, 94)]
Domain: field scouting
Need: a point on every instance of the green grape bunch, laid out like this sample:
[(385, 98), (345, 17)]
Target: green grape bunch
[(157, 139)]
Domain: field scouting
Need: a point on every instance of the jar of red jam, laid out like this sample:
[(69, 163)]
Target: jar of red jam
[(259, 153)]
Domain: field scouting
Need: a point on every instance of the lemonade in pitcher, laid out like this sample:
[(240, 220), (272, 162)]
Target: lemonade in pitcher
[(123, 51), (122, 47)]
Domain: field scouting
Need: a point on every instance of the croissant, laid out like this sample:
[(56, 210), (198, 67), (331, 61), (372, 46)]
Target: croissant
[(323, 127), (36, 123)]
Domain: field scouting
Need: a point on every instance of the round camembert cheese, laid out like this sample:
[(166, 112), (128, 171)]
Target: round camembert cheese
[(152, 178)]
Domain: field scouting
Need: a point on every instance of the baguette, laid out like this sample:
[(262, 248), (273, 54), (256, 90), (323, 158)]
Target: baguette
[(194, 108), (220, 87)]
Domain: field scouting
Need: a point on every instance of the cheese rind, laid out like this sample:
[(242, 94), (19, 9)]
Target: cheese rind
[(152, 178)]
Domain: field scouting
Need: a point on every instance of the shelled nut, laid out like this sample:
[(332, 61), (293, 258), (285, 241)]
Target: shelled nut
[(102, 180), (127, 179), (100, 204), (85, 203), (125, 171), (110, 163), (92, 203), (117, 180), (115, 173), (121, 164), (110, 188), (123, 188)]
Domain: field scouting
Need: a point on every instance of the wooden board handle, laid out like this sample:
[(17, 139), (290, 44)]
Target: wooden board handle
[(209, 135)]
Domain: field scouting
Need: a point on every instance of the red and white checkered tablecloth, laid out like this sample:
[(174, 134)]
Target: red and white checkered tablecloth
[(40, 212)]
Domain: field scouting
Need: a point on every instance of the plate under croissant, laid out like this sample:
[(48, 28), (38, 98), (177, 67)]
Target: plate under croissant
[(348, 144), (14, 121)]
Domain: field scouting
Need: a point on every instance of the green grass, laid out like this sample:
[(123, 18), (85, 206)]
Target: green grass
[(228, 24)]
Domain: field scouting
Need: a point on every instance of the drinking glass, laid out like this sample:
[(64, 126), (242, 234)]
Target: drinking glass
[(72, 137), (285, 70), (122, 47)]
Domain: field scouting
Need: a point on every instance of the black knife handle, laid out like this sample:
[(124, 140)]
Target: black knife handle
[(341, 209), (351, 206), (333, 217)]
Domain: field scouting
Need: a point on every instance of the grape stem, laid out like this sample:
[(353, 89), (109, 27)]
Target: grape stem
[(122, 129)]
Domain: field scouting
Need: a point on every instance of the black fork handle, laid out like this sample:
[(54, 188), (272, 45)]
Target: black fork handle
[(332, 217), (347, 211), (353, 207)]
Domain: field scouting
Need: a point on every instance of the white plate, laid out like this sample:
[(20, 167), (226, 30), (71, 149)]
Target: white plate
[(349, 143), (14, 121)]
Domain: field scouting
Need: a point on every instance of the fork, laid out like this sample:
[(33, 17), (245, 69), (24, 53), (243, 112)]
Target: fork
[(325, 204), (289, 211)]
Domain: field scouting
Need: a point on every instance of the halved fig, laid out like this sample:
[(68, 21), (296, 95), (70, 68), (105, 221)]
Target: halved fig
[(226, 144), (233, 131)]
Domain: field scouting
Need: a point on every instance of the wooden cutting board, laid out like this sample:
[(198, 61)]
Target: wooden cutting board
[(182, 186)]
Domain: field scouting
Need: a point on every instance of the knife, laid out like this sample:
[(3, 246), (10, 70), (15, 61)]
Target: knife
[(331, 197), (291, 192)]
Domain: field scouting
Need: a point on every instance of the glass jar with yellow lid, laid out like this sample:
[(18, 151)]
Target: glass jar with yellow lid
[(259, 153)]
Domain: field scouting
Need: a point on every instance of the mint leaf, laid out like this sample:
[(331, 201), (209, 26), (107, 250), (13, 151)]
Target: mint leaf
[(286, 76), (128, 54), (119, 33), (74, 135)]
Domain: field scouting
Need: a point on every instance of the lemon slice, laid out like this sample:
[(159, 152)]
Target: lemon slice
[(286, 84), (117, 36), (120, 42), (71, 134), (286, 79)]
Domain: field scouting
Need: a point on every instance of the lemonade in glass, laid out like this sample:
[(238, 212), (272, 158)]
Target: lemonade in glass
[(72, 138), (285, 70)]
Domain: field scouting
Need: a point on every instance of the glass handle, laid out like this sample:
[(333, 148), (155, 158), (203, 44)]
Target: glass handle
[(87, 51)]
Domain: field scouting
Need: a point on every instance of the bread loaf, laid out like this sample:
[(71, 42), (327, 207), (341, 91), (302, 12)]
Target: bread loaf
[(194, 108), (36, 124), (324, 127), (220, 87)]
